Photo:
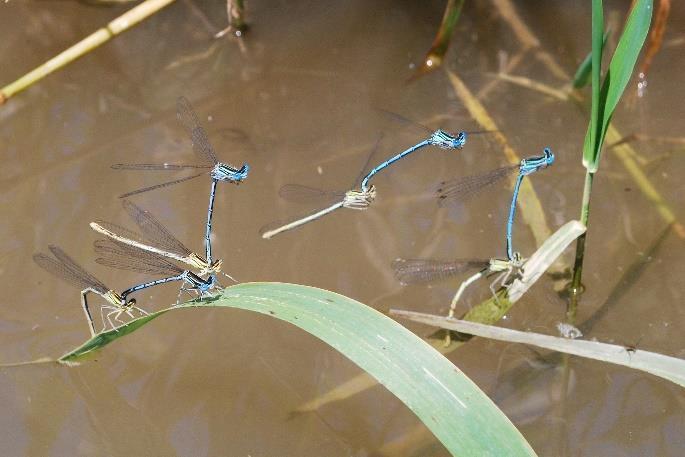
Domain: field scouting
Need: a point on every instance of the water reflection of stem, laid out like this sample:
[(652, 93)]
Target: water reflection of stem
[(559, 94), (237, 26), (527, 39), (436, 54), (656, 37), (576, 287), (510, 66)]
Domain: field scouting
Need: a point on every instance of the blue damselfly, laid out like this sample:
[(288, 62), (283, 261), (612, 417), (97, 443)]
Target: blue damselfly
[(204, 151), (116, 254), (362, 197), (410, 271), (301, 194), (469, 186)]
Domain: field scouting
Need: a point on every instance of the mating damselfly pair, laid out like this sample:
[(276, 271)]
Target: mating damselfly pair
[(154, 251), (413, 271), (362, 193)]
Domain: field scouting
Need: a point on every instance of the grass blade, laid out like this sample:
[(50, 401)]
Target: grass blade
[(459, 414), (544, 257), (669, 368), (590, 154)]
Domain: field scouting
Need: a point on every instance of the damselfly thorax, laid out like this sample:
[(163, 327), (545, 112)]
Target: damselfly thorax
[(228, 173)]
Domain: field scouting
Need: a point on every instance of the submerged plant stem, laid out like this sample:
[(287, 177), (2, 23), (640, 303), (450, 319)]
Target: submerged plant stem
[(436, 54), (237, 26), (576, 287)]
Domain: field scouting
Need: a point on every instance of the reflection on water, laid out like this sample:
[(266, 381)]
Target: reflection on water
[(306, 86)]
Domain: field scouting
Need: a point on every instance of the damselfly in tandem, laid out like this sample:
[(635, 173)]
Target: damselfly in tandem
[(463, 188), (156, 239), (336, 199), (218, 171), (360, 198), (65, 268), (115, 254), (411, 271)]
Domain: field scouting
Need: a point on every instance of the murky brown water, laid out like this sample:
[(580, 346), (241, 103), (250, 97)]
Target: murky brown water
[(305, 86)]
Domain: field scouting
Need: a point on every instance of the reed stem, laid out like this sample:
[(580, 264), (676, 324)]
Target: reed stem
[(576, 283), (92, 41)]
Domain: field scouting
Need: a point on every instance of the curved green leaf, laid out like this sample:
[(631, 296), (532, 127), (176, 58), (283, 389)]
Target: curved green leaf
[(460, 415)]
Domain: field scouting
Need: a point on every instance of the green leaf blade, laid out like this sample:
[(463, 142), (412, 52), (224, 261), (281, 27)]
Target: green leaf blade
[(449, 404), (590, 155), (582, 76), (623, 61), (617, 78)]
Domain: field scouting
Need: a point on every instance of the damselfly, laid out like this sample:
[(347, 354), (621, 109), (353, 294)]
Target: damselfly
[(204, 151), (116, 254), (65, 268), (156, 239), (299, 193), (302, 194), (466, 187), (416, 271), (423, 270), (361, 198)]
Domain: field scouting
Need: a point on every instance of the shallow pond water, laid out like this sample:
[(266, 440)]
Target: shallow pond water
[(306, 86)]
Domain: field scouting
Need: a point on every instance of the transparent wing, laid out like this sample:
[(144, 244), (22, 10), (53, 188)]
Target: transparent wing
[(403, 120), (186, 114), (416, 271), (201, 145), (159, 186), (72, 274), (156, 166), (123, 231), (462, 189), (124, 257), (154, 231), (365, 168), (299, 193)]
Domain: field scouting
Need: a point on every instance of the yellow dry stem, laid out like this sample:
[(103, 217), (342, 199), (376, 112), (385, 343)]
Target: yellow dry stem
[(92, 41)]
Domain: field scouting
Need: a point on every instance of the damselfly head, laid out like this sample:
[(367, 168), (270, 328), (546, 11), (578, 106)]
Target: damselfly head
[(533, 164), (211, 283), (131, 303), (517, 259)]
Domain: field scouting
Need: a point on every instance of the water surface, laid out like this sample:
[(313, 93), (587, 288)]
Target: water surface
[(305, 86)]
